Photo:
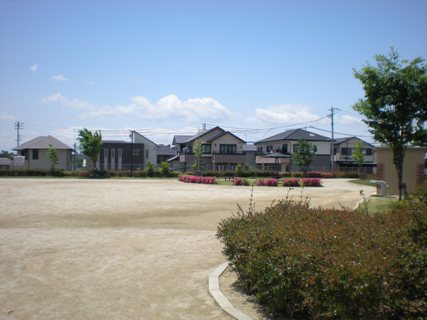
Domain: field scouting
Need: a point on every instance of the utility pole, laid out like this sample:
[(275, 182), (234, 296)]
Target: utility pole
[(332, 110), (18, 126)]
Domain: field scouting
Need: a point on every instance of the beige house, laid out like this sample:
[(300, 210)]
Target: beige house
[(221, 150), (344, 149), (413, 168), (35, 153), (275, 152)]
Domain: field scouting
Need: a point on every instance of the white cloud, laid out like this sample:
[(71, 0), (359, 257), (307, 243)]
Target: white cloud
[(193, 109), (59, 77), (285, 114), (34, 67), (348, 119), (6, 117)]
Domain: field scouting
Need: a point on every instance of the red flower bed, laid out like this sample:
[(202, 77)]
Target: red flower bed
[(240, 182), (271, 182), (197, 179), (306, 182)]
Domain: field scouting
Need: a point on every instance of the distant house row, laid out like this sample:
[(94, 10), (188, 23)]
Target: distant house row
[(221, 150)]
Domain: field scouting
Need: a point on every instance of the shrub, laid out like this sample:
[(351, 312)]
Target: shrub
[(240, 182), (306, 182), (197, 179), (165, 169), (271, 182), (149, 169), (312, 263)]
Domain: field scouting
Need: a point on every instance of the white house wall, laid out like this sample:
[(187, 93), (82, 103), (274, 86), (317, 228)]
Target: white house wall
[(149, 146), (227, 139), (43, 163)]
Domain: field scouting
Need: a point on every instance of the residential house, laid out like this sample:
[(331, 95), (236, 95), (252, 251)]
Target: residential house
[(123, 155), (275, 152), (36, 157), (221, 150), (344, 149)]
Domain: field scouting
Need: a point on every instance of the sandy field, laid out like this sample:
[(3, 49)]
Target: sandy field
[(122, 248)]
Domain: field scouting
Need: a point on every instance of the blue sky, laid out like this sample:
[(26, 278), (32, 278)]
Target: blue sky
[(165, 67)]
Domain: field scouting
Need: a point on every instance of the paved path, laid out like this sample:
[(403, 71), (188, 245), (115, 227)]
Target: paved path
[(121, 249)]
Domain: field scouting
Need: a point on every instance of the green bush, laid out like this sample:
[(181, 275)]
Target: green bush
[(150, 171), (313, 263)]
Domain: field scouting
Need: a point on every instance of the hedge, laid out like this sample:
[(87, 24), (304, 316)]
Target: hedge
[(312, 263)]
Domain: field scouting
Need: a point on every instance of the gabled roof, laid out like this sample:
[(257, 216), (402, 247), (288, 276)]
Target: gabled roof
[(295, 135), (202, 133), (43, 142), (343, 140), (178, 139), (163, 150), (223, 134)]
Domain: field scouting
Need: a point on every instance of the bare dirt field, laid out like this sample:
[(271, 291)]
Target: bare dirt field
[(122, 249)]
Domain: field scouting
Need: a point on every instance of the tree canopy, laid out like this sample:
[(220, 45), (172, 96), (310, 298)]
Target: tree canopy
[(395, 103), (303, 155), (90, 143)]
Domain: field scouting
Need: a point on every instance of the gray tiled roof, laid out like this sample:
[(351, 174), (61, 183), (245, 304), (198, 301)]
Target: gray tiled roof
[(295, 135), (43, 142), (342, 140), (181, 138), (224, 133), (165, 151), (202, 133)]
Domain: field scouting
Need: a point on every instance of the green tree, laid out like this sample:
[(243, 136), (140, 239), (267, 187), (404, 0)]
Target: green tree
[(150, 171), (303, 155), (6, 154), (52, 156), (90, 143), (358, 156), (164, 168), (197, 150), (395, 104)]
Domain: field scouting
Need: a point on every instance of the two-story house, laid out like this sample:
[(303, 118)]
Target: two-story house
[(275, 152), (344, 149), (124, 155), (221, 150)]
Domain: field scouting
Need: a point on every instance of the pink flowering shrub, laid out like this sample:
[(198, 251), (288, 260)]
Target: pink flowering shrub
[(197, 179), (240, 182), (306, 182), (291, 182), (270, 182)]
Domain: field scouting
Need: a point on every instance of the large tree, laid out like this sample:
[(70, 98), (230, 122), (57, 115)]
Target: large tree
[(395, 104), (303, 155), (90, 143)]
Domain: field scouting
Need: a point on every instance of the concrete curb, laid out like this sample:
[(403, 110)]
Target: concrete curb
[(219, 297)]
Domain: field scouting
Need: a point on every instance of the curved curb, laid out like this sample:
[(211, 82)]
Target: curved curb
[(219, 297)]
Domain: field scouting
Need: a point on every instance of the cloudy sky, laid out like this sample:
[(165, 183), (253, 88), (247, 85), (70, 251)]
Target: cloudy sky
[(165, 67)]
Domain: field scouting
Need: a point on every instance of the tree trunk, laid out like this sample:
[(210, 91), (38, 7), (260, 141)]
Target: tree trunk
[(398, 158)]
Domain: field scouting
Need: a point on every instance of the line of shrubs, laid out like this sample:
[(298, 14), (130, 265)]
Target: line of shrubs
[(266, 174), (197, 179), (273, 182), (312, 263), (87, 174)]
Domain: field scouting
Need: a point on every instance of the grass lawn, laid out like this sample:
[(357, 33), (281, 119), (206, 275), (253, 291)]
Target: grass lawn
[(378, 204), (364, 182)]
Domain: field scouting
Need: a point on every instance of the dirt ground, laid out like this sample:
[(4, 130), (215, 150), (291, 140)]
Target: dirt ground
[(122, 249)]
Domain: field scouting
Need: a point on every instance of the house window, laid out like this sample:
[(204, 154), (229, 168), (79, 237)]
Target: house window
[(228, 148), (285, 148), (346, 151), (35, 154), (314, 148), (135, 152), (146, 154), (206, 148), (259, 150), (269, 149), (368, 151)]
